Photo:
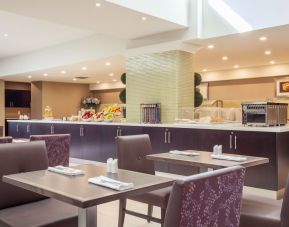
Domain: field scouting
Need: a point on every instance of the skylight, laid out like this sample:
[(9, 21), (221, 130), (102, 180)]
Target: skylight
[(230, 16)]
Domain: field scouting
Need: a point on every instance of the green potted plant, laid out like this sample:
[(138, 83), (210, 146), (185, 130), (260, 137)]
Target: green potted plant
[(198, 96), (122, 94)]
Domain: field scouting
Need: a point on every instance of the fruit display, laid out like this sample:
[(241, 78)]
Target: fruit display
[(87, 115), (111, 109), (108, 117), (98, 116)]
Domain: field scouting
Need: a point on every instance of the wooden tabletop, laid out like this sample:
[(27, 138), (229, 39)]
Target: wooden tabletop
[(204, 160), (76, 190)]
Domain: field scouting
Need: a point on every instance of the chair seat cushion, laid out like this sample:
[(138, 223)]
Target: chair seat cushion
[(156, 198), (44, 213), (260, 211)]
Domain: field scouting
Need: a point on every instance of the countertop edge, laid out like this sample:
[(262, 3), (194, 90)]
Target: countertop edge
[(229, 126)]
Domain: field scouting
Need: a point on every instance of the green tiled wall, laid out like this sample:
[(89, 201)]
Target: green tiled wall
[(165, 78)]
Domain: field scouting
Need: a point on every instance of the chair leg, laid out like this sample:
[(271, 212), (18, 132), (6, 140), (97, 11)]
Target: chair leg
[(121, 215), (163, 213), (150, 212)]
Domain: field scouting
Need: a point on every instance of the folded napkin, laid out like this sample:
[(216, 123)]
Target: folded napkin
[(20, 140), (66, 170), (110, 183), (188, 152), (229, 158)]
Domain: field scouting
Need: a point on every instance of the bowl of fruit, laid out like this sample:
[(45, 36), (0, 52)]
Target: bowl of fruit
[(98, 117), (108, 117), (87, 115)]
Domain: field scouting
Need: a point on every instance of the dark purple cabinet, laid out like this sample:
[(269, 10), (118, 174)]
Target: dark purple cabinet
[(19, 129)]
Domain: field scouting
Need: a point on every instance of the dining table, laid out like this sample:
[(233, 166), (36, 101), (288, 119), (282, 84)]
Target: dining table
[(77, 191), (205, 161)]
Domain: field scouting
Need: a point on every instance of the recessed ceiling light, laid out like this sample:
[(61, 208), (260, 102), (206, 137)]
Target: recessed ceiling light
[(5, 35), (225, 58), (45, 74), (236, 66), (83, 68), (114, 80), (74, 79), (107, 63), (211, 46), (111, 74), (29, 77), (143, 18), (267, 52), (98, 82), (204, 70), (63, 72), (263, 38), (272, 62), (98, 4)]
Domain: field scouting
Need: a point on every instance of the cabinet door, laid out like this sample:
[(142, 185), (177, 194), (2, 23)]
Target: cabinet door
[(91, 143), (107, 141), (23, 130), (159, 144), (40, 129), (129, 130), (13, 129), (260, 144), (208, 138), (76, 150)]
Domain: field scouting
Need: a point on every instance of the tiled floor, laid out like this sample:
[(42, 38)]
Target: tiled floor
[(107, 215)]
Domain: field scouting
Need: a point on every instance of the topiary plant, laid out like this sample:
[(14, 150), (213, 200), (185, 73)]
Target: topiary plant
[(122, 94), (198, 96), (198, 79), (123, 78)]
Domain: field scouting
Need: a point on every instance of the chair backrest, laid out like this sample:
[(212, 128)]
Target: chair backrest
[(58, 146), (18, 158), (132, 152), (207, 199), (7, 139), (285, 206)]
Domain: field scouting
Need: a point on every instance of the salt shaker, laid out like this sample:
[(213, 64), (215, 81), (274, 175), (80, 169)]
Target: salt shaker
[(114, 166), (220, 150), (215, 150), (109, 164)]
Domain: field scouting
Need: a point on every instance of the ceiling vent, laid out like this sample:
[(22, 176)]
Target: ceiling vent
[(82, 77)]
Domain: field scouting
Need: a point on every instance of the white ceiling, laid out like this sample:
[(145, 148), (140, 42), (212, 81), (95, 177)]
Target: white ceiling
[(245, 50), (95, 71), (109, 19), (26, 34)]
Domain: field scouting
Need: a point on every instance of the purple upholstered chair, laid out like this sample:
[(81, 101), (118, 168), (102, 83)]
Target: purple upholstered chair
[(259, 211), (131, 154), (22, 208), (207, 199), (7, 139), (57, 148)]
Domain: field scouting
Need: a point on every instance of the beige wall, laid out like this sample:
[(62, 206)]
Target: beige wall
[(17, 86), (36, 100), (63, 98), (260, 88), (108, 96), (2, 104)]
